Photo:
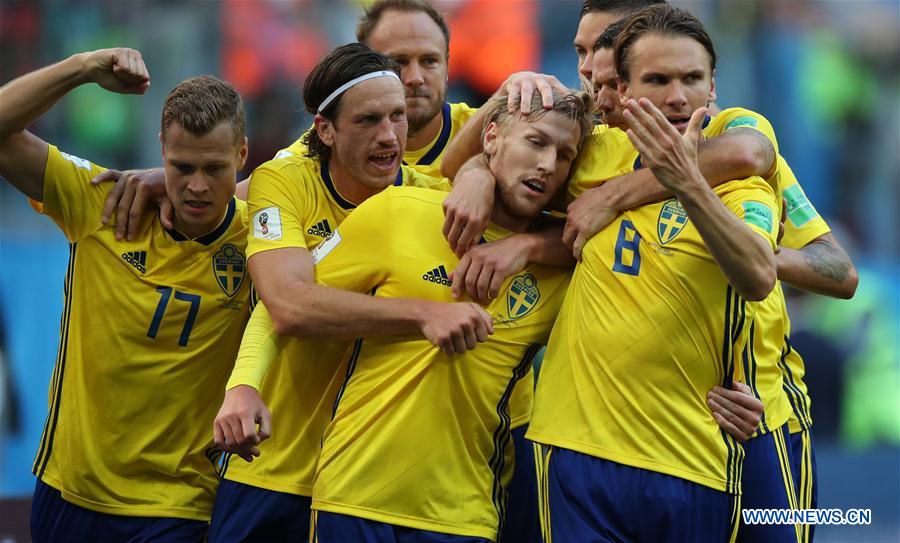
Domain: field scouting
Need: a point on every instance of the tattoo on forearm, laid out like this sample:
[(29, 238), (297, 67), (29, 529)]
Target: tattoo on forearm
[(827, 260)]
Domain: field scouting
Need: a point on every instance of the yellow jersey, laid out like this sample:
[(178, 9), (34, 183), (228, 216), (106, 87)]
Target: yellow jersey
[(606, 154), (294, 203), (426, 160), (149, 333), (649, 326), (761, 362), (419, 438), (803, 225)]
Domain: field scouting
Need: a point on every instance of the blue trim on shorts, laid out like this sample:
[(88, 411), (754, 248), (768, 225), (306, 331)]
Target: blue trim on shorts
[(522, 523), (767, 484)]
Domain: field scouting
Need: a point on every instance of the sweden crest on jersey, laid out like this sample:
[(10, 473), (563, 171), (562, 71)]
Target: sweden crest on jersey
[(229, 265), (523, 296), (672, 220)]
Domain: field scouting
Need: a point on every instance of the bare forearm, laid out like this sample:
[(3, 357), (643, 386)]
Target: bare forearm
[(725, 158), (821, 267), (547, 246), (747, 261), (306, 310), (25, 99)]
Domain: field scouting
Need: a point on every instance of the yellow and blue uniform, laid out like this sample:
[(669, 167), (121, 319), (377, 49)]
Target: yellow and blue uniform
[(293, 202), (768, 483), (418, 438), (803, 225), (148, 336), (650, 324)]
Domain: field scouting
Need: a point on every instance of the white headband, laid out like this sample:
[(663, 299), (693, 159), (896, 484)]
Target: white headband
[(340, 90)]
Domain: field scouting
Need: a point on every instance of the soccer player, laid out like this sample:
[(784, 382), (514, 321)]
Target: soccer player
[(150, 326), (691, 264), (823, 267), (596, 16), (603, 78), (296, 202), (416, 447)]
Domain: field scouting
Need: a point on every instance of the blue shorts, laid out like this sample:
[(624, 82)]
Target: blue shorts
[(248, 513), (337, 528), (767, 483), (591, 500), (803, 468), (522, 524), (53, 519)]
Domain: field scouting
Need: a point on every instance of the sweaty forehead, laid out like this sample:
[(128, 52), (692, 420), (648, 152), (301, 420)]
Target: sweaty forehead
[(668, 54), (407, 33), (373, 94), (591, 26), (559, 128)]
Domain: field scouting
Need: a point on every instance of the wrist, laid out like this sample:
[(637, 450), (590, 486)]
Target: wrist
[(609, 197), (695, 191), (79, 65)]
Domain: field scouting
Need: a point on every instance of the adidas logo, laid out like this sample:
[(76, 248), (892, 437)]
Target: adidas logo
[(138, 259), (438, 275), (321, 228)]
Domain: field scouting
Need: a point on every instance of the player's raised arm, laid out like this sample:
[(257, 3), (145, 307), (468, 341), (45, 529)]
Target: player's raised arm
[(744, 257), (23, 156)]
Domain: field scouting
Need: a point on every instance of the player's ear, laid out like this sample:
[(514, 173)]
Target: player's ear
[(325, 130), (489, 140), (162, 145), (622, 87), (242, 153), (712, 90)]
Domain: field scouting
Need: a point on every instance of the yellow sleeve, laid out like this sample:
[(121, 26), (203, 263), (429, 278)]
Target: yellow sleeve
[(462, 112), (69, 198), (414, 178), (803, 223), (295, 149), (754, 202), (259, 347), (357, 256), (738, 117), (606, 154), (277, 206)]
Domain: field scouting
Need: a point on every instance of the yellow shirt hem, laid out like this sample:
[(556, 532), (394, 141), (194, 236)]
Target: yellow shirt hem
[(634, 461), (134, 510), (268, 484)]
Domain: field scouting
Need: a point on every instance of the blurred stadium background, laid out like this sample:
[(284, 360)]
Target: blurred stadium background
[(826, 73)]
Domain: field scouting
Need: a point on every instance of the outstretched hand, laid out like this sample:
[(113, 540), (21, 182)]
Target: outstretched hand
[(119, 70), (671, 155)]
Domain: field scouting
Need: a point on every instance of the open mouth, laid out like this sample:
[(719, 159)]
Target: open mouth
[(680, 122), (196, 205), (535, 185), (384, 161)]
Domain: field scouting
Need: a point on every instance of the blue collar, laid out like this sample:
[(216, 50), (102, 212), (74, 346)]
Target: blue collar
[(208, 239), (442, 140), (329, 184)]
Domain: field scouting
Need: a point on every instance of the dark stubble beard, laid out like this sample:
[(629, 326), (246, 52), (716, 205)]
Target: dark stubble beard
[(418, 119)]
